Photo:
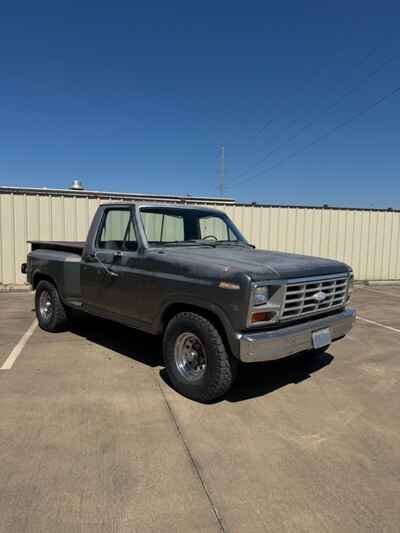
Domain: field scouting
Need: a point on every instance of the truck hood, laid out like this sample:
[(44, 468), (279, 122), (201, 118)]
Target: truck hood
[(258, 264)]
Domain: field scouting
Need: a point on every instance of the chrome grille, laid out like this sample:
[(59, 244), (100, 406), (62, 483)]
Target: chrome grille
[(313, 296)]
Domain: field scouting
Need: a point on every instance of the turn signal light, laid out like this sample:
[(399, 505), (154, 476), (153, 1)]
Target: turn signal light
[(261, 317)]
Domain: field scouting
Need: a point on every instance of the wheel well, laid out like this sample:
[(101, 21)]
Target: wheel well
[(174, 309), (40, 277)]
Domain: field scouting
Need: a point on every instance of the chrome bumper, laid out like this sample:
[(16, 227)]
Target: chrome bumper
[(275, 344)]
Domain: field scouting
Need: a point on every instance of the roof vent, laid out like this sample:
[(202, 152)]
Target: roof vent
[(76, 185)]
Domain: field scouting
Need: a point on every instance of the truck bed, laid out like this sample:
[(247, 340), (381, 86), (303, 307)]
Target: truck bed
[(65, 246)]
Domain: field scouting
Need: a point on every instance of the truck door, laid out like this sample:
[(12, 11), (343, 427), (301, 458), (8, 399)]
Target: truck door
[(102, 272)]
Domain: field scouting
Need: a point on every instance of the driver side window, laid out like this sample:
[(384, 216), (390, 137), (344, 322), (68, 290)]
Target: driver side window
[(117, 231)]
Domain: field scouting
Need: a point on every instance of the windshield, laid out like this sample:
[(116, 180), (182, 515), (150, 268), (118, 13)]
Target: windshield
[(174, 226)]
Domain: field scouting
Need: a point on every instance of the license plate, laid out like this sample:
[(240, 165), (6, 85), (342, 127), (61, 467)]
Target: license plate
[(321, 338)]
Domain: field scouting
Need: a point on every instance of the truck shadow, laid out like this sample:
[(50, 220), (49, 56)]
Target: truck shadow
[(136, 345), (260, 379), (254, 379)]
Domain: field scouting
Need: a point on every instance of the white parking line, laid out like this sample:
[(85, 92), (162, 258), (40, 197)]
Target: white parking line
[(382, 293), (378, 324), (8, 364)]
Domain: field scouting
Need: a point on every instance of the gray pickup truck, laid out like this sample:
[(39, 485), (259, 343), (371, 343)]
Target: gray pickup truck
[(188, 274)]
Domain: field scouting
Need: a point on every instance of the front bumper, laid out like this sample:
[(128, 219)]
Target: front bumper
[(275, 344)]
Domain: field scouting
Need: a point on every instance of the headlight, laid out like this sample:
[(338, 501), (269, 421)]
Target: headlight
[(350, 286), (265, 303), (260, 296)]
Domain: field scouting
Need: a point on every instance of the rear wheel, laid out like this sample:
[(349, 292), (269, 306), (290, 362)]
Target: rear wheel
[(196, 359), (50, 311)]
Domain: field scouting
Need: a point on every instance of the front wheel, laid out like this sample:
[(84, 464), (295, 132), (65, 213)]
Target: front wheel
[(50, 311), (196, 359)]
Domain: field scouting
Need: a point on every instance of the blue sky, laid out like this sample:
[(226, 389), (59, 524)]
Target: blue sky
[(139, 97)]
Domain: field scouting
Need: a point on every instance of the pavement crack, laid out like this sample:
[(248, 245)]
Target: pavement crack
[(193, 462)]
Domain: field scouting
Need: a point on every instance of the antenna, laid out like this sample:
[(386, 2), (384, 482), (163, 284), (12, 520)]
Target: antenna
[(222, 172)]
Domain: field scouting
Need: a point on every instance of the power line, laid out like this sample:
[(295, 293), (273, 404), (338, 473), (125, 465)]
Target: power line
[(363, 60), (310, 123), (328, 133)]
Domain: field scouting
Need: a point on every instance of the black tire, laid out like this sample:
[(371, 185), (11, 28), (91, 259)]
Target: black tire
[(55, 318), (220, 368)]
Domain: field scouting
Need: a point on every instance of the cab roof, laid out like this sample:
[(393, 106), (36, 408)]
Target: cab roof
[(161, 206)]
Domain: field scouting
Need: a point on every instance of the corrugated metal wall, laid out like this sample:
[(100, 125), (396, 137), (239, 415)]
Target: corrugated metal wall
[(367, 240)]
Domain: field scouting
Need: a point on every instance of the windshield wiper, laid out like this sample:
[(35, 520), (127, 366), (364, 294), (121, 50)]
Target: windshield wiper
[(187, 243), (203, 242), (234, 243)]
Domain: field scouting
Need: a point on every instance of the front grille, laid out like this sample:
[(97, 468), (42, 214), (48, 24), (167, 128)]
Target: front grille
[(307, 298)]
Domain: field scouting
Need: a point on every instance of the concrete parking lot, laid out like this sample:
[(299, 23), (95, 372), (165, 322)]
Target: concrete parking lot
[(93, 439)]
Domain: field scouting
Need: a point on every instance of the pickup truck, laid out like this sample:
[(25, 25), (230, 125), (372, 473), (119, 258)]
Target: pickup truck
[(187, 273)]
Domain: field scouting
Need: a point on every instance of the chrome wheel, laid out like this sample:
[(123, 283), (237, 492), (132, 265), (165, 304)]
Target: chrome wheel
[(190, 357), (45, 306)]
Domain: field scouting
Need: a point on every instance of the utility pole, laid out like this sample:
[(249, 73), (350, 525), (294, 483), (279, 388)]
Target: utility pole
[(222, 172)]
